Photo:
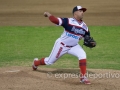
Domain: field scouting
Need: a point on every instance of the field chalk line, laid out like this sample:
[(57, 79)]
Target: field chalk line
[(11, 71)]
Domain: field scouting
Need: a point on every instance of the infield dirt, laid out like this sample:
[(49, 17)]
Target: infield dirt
[(30, 13)]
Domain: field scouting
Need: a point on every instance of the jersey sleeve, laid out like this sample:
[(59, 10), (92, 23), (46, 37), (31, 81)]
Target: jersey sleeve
[(63, 21), (87, 33)]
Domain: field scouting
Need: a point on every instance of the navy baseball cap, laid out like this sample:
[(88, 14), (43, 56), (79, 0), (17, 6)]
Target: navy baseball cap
[(76, 8)]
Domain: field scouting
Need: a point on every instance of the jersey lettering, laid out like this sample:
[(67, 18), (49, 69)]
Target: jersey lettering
[(77, 31), (72, 35)]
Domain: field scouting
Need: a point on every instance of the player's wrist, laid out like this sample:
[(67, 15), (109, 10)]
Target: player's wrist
[(47, 14)]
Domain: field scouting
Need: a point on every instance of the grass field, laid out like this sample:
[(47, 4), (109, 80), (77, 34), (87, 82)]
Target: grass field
[(19, 45)]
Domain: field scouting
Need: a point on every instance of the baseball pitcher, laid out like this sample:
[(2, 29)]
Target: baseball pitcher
[(74, 30)]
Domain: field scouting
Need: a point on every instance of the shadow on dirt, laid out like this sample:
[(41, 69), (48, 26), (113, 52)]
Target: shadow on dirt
[(63, 71)]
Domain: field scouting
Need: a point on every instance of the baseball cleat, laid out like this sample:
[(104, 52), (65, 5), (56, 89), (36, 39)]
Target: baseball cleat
[(33, 65), (85, 80)]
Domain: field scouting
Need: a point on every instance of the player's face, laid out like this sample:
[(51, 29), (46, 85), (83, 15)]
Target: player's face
[(79, 14)]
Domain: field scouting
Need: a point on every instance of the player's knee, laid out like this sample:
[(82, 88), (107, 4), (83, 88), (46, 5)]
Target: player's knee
[(82, 56)]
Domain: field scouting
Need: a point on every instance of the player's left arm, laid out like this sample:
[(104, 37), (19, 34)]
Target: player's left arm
[(88, 40), (87, 33)]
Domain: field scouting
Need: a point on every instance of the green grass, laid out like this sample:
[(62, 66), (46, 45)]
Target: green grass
[(19, 45)]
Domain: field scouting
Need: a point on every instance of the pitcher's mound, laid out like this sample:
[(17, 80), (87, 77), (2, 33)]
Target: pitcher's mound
[(24, 78)]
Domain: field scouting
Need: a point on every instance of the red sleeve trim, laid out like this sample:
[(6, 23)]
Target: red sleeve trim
[(53, 19)]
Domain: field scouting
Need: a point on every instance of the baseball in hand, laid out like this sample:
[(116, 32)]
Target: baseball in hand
[(45, 14)]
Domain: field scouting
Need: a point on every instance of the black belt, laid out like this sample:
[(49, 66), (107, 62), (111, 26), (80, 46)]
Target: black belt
[(66, 45)]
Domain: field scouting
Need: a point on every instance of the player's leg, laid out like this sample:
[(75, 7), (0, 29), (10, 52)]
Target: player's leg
[(81, 55), (57, 51)]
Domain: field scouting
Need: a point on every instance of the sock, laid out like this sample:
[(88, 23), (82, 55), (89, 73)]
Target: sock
[(40, 62), (82, 66)]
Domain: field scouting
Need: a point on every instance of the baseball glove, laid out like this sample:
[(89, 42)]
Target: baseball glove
[(89, 41)]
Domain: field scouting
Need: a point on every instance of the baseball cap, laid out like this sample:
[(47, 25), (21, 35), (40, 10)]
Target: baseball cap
[(76, 8)]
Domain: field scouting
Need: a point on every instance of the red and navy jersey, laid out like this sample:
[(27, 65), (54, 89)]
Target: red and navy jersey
[(73, 30)]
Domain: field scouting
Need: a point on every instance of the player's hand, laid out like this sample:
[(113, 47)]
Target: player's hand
[(47, 14)]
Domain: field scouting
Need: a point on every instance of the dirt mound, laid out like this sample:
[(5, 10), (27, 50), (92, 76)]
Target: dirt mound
[(23, 78)]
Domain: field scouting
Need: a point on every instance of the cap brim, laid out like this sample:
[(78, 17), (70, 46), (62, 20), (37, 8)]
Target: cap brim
[(84, 9)]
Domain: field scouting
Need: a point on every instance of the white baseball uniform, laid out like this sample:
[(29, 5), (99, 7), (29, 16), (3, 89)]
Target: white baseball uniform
[(68, 41)]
